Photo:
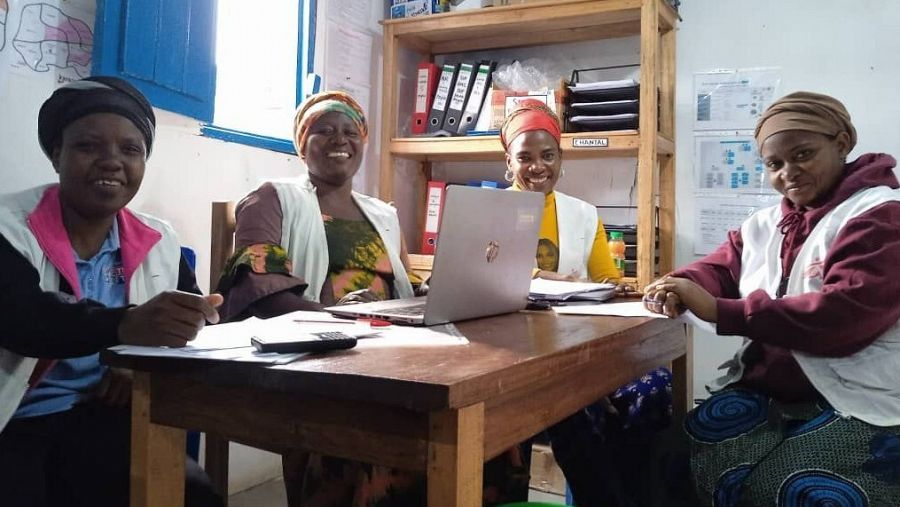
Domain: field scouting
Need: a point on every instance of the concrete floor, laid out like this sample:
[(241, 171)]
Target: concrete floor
[(271, 494)]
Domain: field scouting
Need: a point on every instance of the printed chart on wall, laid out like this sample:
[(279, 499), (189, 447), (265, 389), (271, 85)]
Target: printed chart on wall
[(51, 38), (719, 213), (728, 162), (733, 99)]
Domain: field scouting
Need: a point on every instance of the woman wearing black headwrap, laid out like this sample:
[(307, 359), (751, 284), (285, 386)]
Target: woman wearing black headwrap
[(808, 411), (74, 263)]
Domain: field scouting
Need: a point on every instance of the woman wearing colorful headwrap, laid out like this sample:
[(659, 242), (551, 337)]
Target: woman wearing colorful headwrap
[(82, 272), (808, 411), (313, 241), (601, 449)]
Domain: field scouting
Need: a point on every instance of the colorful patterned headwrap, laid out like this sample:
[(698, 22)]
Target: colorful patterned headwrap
[(529, 115), (812, 112), (97, 94), (325, 102)]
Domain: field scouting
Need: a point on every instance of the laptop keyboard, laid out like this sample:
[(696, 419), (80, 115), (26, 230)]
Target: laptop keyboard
[(413, 310)]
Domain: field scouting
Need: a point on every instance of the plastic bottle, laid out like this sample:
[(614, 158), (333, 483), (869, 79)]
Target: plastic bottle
[(617, 250)]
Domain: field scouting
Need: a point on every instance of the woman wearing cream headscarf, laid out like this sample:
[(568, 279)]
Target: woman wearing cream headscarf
[(808, 411)]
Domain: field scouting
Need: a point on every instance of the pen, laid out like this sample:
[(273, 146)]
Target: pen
[(361, 320), (323, 321)]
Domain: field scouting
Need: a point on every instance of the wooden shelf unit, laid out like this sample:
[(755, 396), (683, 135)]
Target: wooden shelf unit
[(538, 24)]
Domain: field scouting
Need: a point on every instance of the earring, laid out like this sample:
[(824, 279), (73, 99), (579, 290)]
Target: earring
[(562, 172), (509, 176)]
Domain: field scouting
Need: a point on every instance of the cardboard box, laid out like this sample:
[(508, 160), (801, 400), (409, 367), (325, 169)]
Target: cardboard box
[(462, 5), (413, 8), (504, 101), (546, 475)]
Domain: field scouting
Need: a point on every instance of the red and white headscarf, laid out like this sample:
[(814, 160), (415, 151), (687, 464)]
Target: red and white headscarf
[(530, 114)]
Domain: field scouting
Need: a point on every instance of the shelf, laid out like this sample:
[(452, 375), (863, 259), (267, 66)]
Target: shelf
[(538, 23), (622, 143)]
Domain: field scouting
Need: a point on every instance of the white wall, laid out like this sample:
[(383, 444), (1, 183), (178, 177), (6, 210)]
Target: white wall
[(847, 49)]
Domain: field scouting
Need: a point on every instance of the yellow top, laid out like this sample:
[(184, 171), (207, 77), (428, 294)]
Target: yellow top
[(600, 262)]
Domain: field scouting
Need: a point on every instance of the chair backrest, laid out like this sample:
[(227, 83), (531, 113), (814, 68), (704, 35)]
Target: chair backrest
[(421, 264), (221, 244)]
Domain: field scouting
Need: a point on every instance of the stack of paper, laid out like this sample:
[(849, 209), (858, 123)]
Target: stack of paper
[(552, 290)]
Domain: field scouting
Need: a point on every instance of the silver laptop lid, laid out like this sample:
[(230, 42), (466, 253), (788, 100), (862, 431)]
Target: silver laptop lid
[(485, 253)]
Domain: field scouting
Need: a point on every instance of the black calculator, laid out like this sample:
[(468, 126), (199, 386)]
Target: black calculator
[(313, 342)]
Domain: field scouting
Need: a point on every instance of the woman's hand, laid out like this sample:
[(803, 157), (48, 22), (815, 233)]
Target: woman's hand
[(358, 296), (670, 296), (624, 289)]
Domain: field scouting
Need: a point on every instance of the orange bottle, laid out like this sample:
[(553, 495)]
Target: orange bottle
[(617, 250)]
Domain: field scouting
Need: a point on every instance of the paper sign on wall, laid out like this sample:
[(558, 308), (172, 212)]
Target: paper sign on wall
[(733, 99)]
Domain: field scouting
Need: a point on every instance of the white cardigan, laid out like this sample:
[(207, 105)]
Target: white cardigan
[(303, 234), (157, 273), (576, 221), (865, 385)]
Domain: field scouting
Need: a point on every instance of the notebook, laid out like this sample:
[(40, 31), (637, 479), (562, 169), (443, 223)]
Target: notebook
[(482, 265)]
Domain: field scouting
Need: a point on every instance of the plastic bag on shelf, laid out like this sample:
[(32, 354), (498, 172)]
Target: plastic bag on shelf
[(530, 74)]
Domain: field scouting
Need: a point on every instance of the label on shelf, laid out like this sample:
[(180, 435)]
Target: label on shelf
[(590, 142)]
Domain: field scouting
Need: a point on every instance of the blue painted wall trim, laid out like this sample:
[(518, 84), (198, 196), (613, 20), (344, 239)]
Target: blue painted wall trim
[(259, 141), (166, 48)]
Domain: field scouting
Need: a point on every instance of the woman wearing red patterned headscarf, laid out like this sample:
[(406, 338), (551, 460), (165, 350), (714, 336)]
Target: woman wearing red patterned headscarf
[(601, 449), (573, 242)]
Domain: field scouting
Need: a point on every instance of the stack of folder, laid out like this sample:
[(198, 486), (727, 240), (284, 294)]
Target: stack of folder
[(449, 98), (555, 291), (603, 105)]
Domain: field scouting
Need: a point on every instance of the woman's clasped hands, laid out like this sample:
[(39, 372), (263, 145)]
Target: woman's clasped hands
[(671, 296)]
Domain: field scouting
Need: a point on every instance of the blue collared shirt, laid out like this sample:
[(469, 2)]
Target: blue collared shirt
[(101, 278)]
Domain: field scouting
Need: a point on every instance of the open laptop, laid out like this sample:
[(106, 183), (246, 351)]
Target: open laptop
[(482, 265)]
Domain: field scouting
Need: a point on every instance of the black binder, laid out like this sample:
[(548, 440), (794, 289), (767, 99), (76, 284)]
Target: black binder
[(465, 76), (442, 97), (480, 86)]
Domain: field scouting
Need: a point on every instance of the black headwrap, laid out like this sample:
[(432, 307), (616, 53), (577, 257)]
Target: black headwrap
[(97, 94)]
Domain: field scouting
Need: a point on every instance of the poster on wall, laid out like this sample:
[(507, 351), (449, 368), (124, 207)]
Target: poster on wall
[(50, 38), (719, 213), (733, 99), (729, 162)]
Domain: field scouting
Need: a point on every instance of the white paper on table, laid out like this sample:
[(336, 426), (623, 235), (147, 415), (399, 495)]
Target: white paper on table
[(246, 354), (629, 309), (408, 336), (559, 288)]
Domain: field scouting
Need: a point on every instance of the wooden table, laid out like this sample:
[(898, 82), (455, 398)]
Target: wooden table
[(444, 410)]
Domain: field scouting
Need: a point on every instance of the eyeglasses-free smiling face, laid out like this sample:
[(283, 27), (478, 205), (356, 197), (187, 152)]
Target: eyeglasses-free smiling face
[(334, 149), (535, 160), (100, 161), (804, 166)]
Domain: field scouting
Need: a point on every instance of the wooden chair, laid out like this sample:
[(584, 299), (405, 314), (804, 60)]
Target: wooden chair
[(221, 248)]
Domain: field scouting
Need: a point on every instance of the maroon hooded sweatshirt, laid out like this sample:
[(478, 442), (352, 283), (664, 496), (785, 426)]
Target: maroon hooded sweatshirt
[(859, 300)]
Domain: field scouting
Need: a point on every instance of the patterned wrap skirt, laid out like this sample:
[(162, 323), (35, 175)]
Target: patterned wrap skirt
[(750, 450)]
